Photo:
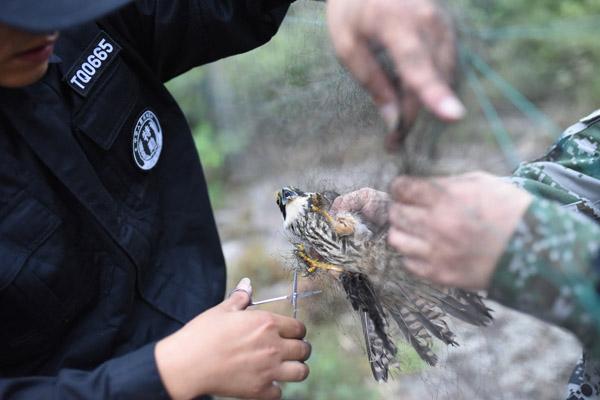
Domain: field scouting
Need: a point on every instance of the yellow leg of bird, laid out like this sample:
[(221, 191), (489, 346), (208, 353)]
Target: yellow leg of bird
[(343, 226), (314, 264), (324, 213)]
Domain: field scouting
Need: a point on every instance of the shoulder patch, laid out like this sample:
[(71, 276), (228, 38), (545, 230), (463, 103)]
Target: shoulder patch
[(147, 140), (99, 54)]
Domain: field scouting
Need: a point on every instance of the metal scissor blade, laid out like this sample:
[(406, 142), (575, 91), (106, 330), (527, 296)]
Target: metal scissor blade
[(300, 295), (271, 300)]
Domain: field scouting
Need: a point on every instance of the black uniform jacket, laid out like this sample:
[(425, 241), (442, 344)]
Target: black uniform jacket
[(107, 239)]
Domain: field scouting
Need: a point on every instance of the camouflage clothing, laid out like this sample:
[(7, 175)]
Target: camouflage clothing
[(551, 266), (585, 380)]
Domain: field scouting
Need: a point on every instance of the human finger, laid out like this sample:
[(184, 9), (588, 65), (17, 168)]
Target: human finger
[(407, 244), (289, 328), (416, 69), (240, 296), (360, 200), (296, 350), (371, 203), (292, 371), (419, 267), (420, 192), (446, 57), (410, 107), (353, 201), (362, 63), (409, 219), (440, 37)]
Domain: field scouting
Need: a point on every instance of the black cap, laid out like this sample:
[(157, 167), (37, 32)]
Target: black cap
[(52, 15)]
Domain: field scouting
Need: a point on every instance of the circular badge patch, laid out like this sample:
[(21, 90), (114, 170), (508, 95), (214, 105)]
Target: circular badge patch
[(147, 140)]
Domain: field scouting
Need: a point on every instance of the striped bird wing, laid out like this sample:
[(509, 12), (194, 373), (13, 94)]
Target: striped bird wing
[(419, 308), (394, 281), (415, 333)]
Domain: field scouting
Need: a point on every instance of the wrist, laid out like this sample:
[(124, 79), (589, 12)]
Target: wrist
[(171, 361)]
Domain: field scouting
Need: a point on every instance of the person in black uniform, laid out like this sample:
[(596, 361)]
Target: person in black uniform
[(107, 240), (111, 271)]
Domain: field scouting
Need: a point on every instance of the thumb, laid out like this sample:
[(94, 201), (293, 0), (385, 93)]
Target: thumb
[(350, 202), (240, 297)]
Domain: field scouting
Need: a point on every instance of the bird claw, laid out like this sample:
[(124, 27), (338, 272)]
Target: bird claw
[(342, 226), (313, 264), (316, 209)]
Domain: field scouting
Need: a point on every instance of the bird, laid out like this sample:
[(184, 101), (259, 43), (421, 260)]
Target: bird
[(389, 300)]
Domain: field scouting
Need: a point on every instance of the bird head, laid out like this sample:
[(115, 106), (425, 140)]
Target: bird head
[(292, 203)]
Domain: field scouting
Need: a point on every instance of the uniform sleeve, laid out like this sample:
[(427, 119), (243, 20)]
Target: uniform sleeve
[(569, 173), (550, 267), (174, 36), (550, 270), (132, 376)]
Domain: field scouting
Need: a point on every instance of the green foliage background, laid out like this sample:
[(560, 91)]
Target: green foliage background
[(547, 49)]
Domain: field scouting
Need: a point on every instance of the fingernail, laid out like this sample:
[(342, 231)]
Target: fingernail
[(309, 349), (391, 115), (452, 108), (245, 285)]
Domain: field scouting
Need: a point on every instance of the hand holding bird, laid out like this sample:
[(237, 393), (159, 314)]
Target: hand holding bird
[(373, 276)]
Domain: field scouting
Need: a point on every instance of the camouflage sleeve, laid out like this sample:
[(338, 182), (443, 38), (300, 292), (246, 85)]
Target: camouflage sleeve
[(548, 271), (570, 172), (550, 266)]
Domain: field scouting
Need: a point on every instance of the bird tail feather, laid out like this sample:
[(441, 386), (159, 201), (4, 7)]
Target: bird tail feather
[(380, 347), (380, 355)]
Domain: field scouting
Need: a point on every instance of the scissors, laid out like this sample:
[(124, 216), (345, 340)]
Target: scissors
[(294, 296)]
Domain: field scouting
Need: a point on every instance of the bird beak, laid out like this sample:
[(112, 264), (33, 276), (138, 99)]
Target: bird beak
[(278, 197), (281, 202)]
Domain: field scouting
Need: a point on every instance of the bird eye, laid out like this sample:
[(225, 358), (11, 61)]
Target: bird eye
[(287, 194)]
